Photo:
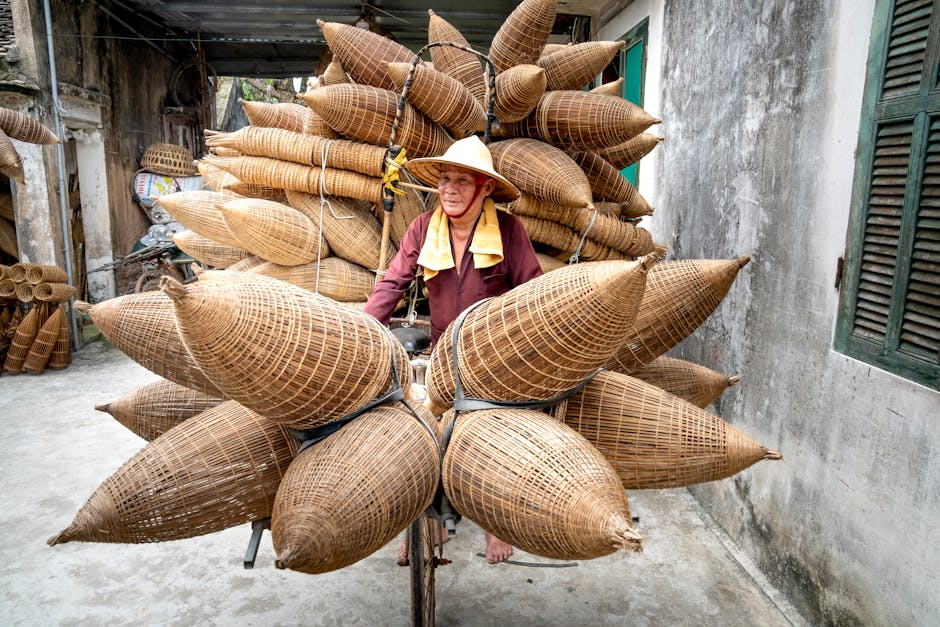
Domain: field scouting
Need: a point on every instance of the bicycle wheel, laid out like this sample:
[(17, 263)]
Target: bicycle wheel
[(422, 560), (150, 279)]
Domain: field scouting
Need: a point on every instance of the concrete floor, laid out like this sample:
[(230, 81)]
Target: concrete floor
[(55, 449)]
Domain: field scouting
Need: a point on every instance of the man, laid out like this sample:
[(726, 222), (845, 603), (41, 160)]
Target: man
[(467, 249)]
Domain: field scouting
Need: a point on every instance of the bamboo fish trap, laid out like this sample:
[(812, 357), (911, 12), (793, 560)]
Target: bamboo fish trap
[(687, 380), (679, 296), (22, 341), (298, 358), (442, 99), (607, 182), (364, 54), (198, 211), (458, 64), (208, 251), (42, 273), (655, 439), (155, 408), (541, 338), (62, 351), (216, 470), (353, 232), (630, 151), (332, 277), (543, 171), (536, 484), (575, 66), (44, 343), (11, 165), (289, 116), (518, 91), (349, 495), (273, 231), (143, 327), (53, 292), (521, 37), (24, 128)]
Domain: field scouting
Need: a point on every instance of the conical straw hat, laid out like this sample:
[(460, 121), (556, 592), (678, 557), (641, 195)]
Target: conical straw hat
[(470, 153), (349, 495), (464, 66), (518, 91), (298, 358), (542, 170), (679, 296), (541, 338), (536, 484), (143, 327), (655, 439), (687, 380), (575, 66), (273, 231), (216, 470), (363, 54), (153, 409), (521, 37)]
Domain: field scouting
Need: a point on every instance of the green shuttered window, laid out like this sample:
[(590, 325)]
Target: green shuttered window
[(890, 310)]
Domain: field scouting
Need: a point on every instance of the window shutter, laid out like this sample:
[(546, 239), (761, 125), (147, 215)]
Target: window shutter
[(890, 313)]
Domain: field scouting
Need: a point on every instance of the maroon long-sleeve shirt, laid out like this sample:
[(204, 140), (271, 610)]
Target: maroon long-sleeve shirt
[(450, 292)]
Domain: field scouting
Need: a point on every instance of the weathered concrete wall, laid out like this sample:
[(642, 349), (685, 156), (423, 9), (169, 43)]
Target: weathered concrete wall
[(761, 103)]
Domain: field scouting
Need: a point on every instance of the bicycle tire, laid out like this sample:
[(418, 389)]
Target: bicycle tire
[(149, 280), (421, 566)]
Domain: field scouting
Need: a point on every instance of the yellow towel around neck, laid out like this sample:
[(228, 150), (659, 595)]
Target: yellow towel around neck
[(486, 245)]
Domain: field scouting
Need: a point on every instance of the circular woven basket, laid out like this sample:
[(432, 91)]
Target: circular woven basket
[(216, 470), (655, 439), (168, 159), (347, 496)]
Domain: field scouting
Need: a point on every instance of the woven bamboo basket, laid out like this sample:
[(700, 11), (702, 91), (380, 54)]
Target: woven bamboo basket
[(534, 207), (552, 233), (215, 179), (168, 160), (679, 296), (42, 273), (614, 88), (549, 263), (23, 339), (307, 149), (536, 484), (225, 152), (655, 439), (43, 344), (550, 48), (606, 181), (24, 292), (18, 271), (24, 128), (273, 231), (575, 66), (317, 126), (10, 163), (367, 113), (630, 151), (8, 243), (352, 232), (289, 116), (333, 277), (4, 271), (349, 495), (143, 327), (61, 355), (242, 189), (209, 252), (246, 264), (542, 170), (521, 37), (219, 469), (459, 64), (518, 90), (200, 211), (298, 358), (364, 54), (578, 120), (442, 99), (625, 237), (7, 288), (53, 292), (155, 408), (302, 178), (687, 380), (408, 206), (333, 74), (541, 338)]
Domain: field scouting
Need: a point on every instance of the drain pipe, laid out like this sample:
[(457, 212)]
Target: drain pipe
[(60, 164)]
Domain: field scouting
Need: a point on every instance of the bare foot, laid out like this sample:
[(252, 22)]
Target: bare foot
[(496, 550)]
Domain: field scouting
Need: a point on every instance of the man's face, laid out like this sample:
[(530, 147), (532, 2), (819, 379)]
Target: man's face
[(457, 187)]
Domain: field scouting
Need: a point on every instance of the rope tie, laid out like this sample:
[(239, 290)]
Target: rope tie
[(576, 256)]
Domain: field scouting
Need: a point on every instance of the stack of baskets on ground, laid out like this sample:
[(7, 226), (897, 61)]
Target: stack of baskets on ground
[(34, 327), (254, 355)]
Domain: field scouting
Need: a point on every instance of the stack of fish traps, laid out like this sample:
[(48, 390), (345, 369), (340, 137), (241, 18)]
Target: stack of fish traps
[(543, 404), (34, 327)]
